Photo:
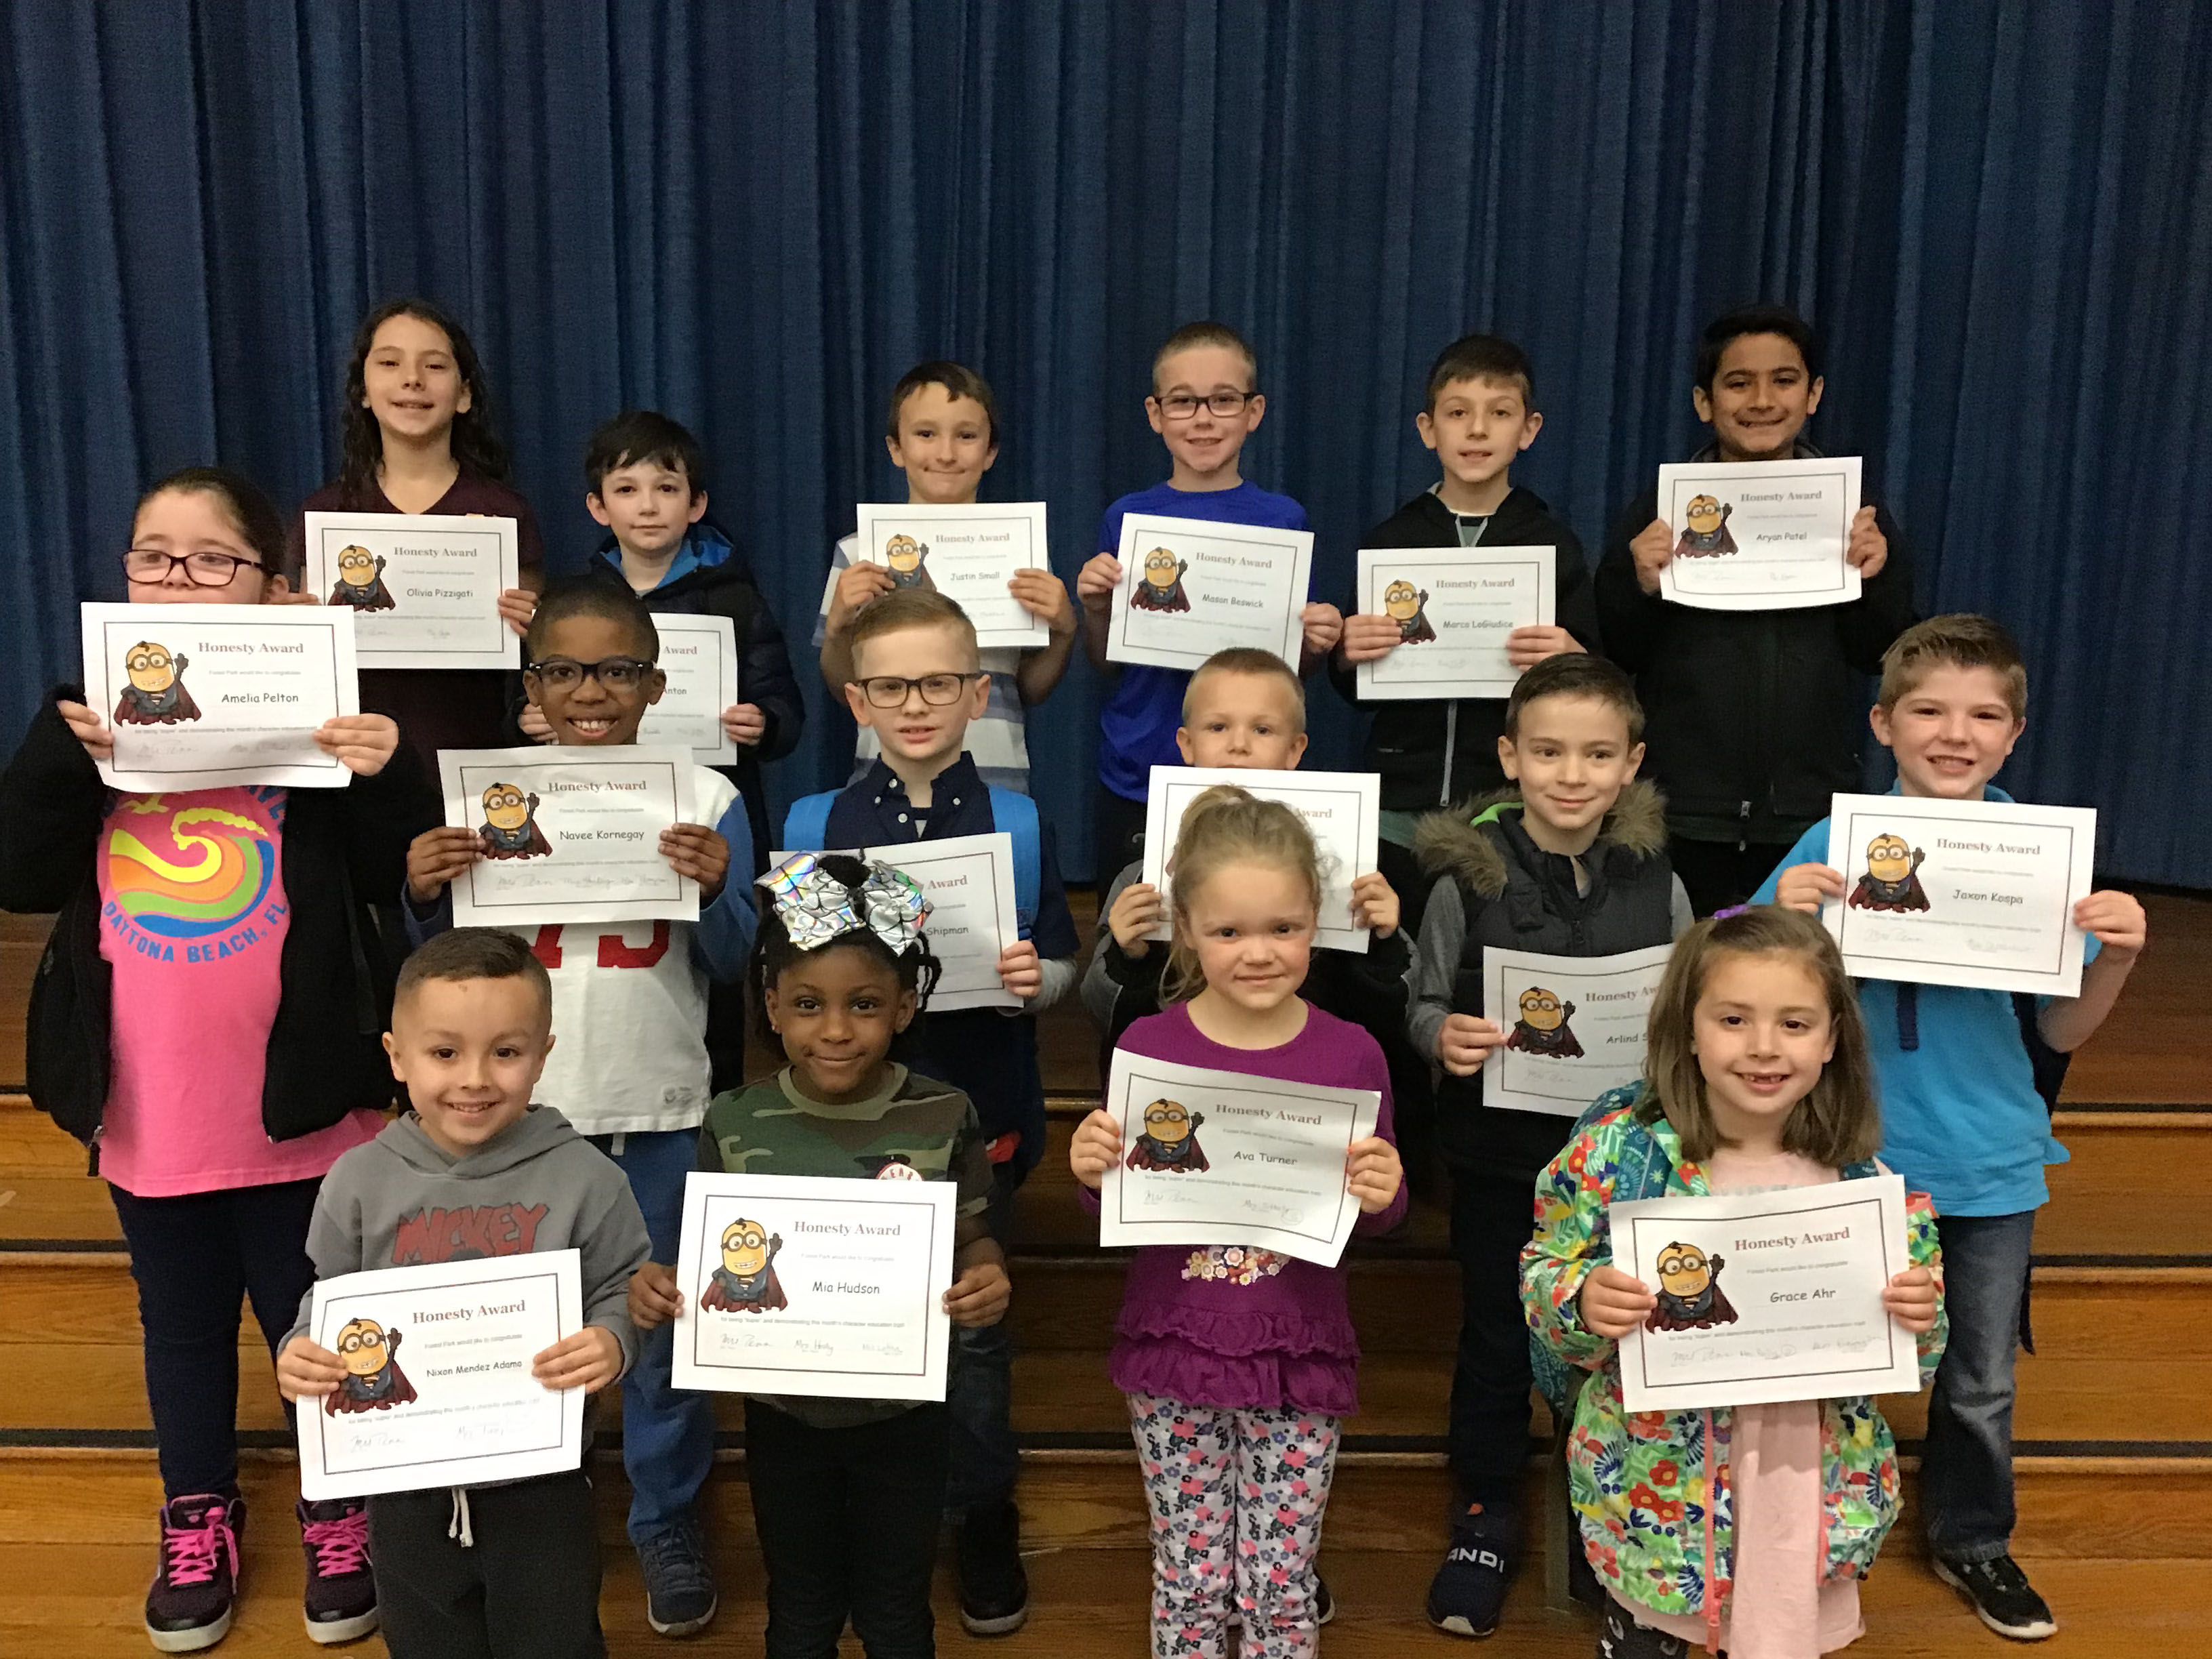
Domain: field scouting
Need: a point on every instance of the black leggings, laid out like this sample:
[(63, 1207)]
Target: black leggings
[(847, 1521), (196, 1257)]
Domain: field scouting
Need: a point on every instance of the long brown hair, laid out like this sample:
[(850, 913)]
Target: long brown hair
[(1839, 1121), (1227, 825), (476, 445)]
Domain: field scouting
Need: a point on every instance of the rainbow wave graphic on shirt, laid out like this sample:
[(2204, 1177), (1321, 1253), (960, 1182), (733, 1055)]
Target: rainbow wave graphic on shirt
[(226, 867)]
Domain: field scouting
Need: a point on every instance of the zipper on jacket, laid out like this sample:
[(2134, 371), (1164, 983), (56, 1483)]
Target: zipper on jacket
[(1742, 825), (1451, 746)]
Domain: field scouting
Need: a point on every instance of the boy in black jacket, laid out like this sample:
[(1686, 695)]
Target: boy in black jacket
[(1481, 412), (1757, 716), (646, 479), (1570, 860)]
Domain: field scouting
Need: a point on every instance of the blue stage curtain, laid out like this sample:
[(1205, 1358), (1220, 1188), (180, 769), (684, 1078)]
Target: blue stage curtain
[(756, 217)]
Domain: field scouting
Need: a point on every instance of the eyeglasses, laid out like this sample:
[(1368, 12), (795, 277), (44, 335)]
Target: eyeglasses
[(359, 1340), (1182, 406), (616, 673), (139, 662), (149, 565), (890, 691)]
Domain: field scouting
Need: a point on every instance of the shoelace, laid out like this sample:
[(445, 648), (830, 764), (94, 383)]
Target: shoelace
[(341, 1546), (194, 1548), (676, 1555)]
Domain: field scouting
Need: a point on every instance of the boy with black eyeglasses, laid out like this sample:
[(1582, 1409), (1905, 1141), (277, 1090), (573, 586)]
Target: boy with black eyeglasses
[(632, 1071), (1204, 404), (917, 681)]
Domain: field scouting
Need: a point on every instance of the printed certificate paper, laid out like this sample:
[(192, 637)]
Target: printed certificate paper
[(1454, 608), (574, 833), (201, 696), (1760, 536), (969, 553), (1766, 1297), (438, 1390), (1973, 893), (1574, 1025), (798, 1285), (1212, 1158), (699, 655), (1344, 810), (1190, 589), (425, 585)]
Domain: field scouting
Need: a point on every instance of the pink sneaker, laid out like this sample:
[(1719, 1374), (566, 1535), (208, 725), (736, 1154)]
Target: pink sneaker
[(340, 1598), (189, 1605)]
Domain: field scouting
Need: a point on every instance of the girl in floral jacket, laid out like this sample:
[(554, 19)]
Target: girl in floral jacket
[(1701, 1523)]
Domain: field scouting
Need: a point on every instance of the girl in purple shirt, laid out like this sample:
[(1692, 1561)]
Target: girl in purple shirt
[(1239, 1362)]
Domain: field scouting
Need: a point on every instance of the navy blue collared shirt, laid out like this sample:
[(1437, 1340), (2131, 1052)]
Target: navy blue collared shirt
[(988, 1054)]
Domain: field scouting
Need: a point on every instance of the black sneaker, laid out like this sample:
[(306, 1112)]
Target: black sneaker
[(2001, 1596), (994, 1590), (679, 1582), (341, 1597), (1468, 1592), (189, 1605)]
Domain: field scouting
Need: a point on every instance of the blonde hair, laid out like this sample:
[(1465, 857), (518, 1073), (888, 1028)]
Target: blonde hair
[(1839, 1119), (909, 608), (1961, 640), (1228, 825), (1251, 660)]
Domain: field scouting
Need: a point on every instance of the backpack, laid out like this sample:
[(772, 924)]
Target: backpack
[(806, 829)]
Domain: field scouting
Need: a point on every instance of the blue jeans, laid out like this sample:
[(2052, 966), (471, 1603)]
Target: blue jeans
[(979, 1394), (668, 1437), (1965, 1464)]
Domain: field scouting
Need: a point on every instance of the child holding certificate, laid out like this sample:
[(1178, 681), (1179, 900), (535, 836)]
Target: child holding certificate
[(1961, 1114), (476, 1170), (1204, 403), (1568, 859), (1240, 1363), (417, 437), (943, 436), (919, 683), (848, 1494), (633, 1070), (206, 1022), (1742, 1528), (1754, 714)]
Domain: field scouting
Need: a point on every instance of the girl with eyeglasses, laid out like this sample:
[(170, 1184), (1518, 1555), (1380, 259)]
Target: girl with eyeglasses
[(207, 1020)]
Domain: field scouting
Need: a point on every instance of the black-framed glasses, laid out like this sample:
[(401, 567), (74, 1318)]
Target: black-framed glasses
[(615, 673), (890, 691), (1182, 406), (149, 566)]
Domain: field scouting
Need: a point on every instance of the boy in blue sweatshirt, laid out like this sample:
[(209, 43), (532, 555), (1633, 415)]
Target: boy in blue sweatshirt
[(1204, 403), (1961, 1119)]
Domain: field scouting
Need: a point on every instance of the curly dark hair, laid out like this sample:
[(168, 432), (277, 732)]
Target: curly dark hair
[(475, 440), (773, 950)]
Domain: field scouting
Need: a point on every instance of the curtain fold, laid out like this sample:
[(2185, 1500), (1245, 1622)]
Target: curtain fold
[(756, 217)]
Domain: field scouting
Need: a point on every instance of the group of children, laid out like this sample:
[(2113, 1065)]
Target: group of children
[(236, 977)]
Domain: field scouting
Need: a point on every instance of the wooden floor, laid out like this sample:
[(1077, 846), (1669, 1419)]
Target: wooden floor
[(2115, 1451)]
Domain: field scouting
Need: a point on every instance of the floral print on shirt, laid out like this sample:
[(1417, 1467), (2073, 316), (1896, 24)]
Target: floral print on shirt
[(1240, 1264)]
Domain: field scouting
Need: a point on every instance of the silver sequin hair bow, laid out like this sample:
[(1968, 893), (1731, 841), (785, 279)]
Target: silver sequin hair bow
[(817, 908)]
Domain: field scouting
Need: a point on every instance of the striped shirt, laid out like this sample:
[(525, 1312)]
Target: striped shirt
[(996, 741)]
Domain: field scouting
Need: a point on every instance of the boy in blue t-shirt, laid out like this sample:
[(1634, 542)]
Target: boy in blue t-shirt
[(1961, 1118), (1204, 405)]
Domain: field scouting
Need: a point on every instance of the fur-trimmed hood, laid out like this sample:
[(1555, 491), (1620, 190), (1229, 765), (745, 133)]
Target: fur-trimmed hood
[(1451, 841)]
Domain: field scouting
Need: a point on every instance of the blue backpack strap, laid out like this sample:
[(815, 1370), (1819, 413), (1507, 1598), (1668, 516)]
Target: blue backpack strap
[(1017, 814), (806, 826)]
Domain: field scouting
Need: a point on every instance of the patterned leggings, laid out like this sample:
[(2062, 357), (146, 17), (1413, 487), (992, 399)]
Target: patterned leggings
[(1241, 1487)]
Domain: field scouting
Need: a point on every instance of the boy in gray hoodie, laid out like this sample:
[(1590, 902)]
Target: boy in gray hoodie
[(476, 1170)]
